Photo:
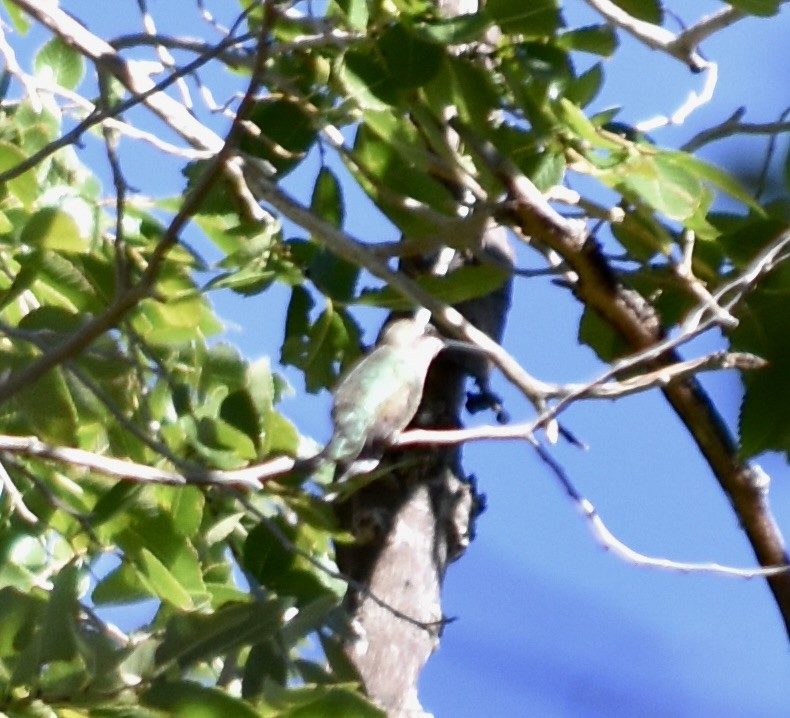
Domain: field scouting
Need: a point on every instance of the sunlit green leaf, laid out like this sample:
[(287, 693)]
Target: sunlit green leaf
[(365, 80), (24, 187), (162, 582), (19, 615), (719, 178), (64, 64), (356, 11), (18, 18), (665, 185), (52, 228)]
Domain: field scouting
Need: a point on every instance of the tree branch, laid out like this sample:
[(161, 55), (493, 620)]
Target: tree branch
[(635, 322)]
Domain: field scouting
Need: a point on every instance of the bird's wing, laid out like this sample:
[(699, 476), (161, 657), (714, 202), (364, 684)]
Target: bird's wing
[(374, 401)]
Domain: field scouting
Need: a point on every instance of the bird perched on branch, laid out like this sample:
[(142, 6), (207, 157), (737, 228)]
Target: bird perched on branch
[(380, 395)]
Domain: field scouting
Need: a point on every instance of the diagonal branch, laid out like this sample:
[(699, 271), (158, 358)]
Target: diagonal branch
[(635, 321)]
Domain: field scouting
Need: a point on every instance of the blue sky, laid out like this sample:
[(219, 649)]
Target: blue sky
[(548, 623)]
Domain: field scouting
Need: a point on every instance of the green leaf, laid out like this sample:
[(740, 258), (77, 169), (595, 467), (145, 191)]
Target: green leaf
[(49, 409), (647, 10), (410, 60), (154, 535), (356, 12), (537, 18), (161, 582), (665, 185), (456, 30), (19, 615), (597, 39), (59, 620), (578, 122), (316, 347), (601, 337), (387, 172), (52, 228), (30, 265), (466, 283), (121, 586), (6, 226), (642, 235), (342, 666), (763, 8), (583, 90), (194, 637), (365, 80), (286, 134), (748, 238), (310, 618), (333, 276), (187, 510), (238, 411), (763, 330), (469, 87), (716, 176), (327, 201), (222, 365), (187, 699), (25, 186), (265, 556), (61, 63), (18, 18), (327, 701), (762, 423), (265, 662)]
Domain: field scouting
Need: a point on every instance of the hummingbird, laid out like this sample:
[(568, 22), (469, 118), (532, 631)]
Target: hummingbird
[(380, 395)]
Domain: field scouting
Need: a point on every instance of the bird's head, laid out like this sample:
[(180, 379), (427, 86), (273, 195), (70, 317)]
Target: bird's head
[(406, 333)]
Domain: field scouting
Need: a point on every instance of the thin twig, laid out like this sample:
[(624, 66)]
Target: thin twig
[(733, 126), (611, 543), (13, 68), (654, 36), (15, 497)]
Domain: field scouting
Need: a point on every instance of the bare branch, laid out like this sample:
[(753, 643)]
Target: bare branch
[(636, 322), (610, 542), (97, 116), (693, 102), (13, 68), (15, 497), (691, 37), (653, 36), (250, 477), (733, 126)]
